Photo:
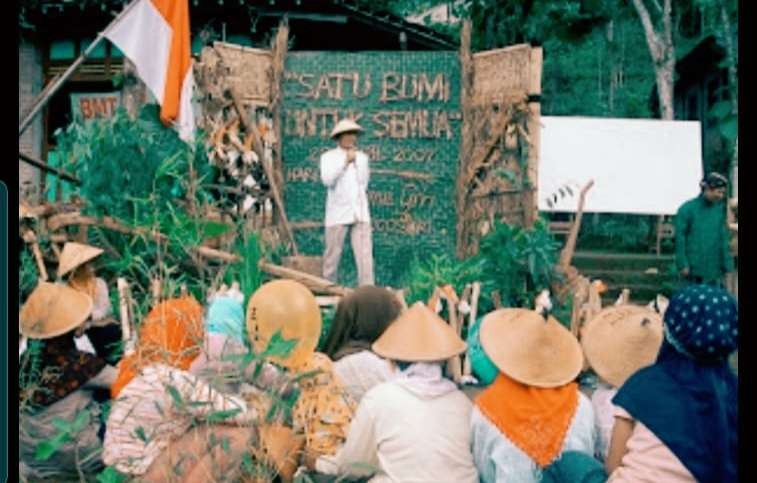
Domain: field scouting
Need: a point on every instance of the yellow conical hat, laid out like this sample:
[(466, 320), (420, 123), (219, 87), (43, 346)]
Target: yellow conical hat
[(289, 307)]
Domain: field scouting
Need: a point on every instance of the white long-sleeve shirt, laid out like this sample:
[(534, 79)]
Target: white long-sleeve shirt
[(347, 185), (401, 437)]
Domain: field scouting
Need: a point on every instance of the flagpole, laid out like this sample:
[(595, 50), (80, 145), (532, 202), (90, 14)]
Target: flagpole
[(47, 94)]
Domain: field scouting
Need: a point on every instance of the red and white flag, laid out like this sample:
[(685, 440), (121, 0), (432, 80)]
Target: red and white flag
[(154, 35)]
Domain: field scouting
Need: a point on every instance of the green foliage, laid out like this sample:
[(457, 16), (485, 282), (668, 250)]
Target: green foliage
[(27, 274), (278, 346), (616, 232), (327, 318), (518, 262), (726, 119), (67, 431), (247, 272), (424, 276), (120, 160), (110, 475)]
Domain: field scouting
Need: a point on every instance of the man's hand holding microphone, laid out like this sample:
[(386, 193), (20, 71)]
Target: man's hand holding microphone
[(351, 155)]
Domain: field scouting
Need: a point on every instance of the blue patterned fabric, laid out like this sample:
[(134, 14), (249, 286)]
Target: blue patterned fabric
[(482, 366), (702, 322), (226, 316), (689, 397)]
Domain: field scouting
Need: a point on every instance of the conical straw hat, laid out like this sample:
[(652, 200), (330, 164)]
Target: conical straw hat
[(289, 307), (74, 255), (529, 349), (419, 335), (345, 125), (620, 340), (53, 309)]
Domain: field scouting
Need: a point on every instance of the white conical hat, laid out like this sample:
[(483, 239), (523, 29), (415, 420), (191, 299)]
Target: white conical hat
[(345, 125)]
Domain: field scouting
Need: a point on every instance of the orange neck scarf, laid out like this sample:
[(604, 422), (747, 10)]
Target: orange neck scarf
[(535, 419)]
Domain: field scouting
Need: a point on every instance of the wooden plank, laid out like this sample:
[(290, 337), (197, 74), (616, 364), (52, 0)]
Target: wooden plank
[(316, 284)]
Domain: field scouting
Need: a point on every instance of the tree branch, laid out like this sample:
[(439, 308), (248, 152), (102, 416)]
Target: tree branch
[(667, 24), (653, 40), (657, 6)]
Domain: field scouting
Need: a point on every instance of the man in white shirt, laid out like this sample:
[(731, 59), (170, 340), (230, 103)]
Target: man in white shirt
[(345, 173)]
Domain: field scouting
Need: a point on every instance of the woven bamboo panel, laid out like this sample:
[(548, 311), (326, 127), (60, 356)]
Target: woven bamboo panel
[(502, 75), (249, 70)]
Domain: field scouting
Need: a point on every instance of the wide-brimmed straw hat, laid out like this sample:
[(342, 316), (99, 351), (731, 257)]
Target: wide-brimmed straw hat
[(288, 307), (419, 335), (75, 255), (53, 309), (529, 349), (345, 125), (620, 340)]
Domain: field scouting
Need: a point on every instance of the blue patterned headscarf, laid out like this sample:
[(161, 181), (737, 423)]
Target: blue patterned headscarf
[(226, 317), (689, 397), (701, 322)]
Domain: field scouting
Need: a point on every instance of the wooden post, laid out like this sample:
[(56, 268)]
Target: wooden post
[(123, 304), (466, 143), (258, 146), (467, 370), (280, 47), (157, 291), (530, 197), (454, 367), (31, 238)]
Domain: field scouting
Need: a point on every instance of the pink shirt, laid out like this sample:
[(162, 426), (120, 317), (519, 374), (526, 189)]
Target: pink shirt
[(648, 460)]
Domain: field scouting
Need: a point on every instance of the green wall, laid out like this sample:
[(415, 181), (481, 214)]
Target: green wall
[(409, 105)]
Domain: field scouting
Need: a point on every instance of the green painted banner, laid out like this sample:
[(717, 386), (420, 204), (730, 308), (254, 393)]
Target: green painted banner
[(408, 103)]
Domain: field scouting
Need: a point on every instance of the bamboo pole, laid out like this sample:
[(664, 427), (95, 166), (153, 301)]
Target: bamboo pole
[(30, 238), (37, 163), (50, 91)]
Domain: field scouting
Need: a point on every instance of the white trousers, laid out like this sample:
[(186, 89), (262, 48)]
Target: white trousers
[(362, 248)]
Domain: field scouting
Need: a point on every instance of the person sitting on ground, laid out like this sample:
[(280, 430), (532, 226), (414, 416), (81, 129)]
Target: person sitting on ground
[(286, 310), (150, 429), (224, 341), (59, 382), (617, 342), (533, 411), (414, 427), (678, 419), (102, 330), (361, 317)]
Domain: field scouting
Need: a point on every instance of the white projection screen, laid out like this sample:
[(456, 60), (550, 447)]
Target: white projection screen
[(639, 166)]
